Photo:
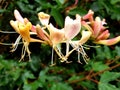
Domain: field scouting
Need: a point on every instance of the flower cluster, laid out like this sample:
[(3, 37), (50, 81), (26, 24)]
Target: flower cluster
[(93, 29)]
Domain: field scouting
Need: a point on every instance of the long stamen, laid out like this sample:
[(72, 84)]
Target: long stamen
[(6, 44), (52, 61), (15, 45), (59, 54), (23, 53), (84, 55), (7, 32), (86, 46), (67, 47), (70, 53), (28, 51), (79, 56)]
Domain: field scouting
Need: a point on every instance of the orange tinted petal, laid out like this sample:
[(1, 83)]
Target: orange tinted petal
[(89, 16), (109, 41), (104, 35), (40, 33), (97, 26), (56, 35)]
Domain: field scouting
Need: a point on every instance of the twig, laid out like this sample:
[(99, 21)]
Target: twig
[(88, 77)]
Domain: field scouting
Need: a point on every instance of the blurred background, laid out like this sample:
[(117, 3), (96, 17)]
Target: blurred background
[(102, 71)]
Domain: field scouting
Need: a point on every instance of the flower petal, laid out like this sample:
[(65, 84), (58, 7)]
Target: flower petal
[(72, 27), (18, 16), (25, 31), (109, 41), (40, 33), (44, 18), (104, 35), (14, 24), (97, 26), (85, 36), (89, 16), (56, 35)]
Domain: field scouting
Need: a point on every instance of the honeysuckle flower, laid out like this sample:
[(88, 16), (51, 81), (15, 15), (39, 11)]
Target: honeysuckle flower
[(53, 37), (100, 34), (71, 29), (77, 45), (93, 29), (22, 26), (57, 37)]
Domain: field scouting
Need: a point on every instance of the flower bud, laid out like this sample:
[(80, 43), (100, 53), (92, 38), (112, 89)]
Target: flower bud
[(109, 41)]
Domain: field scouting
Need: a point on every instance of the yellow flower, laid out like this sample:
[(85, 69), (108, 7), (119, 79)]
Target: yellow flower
[(22, 27)]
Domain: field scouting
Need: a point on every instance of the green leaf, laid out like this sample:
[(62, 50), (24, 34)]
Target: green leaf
[(16, 74), (2, 10), (107, 86), (74, 77), (60, 86), (57, 16), (43, 4), (27, 75), (106, 77), (98, 66), (32, 86), (75, 11), (114, 1), (27, 87), (109, 76), (60, 2), (88, 84), (107, 52), (43, 76)]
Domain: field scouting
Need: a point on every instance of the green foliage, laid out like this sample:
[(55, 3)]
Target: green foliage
[(101, 72), (98, 66), (107, 7), (106, 77), (36, 75)]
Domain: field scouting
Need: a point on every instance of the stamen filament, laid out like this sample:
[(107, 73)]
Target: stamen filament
[(15, 45), (7, 32), (52, 61)]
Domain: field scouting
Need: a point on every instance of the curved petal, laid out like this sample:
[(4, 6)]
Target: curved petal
[(85, 36), (18, 16), (44, 18), (104, 35), (40, 33), (56, 35), (72, 27), (25, 31), (87, 26), (109, 41), (97, 26), (89, 16), (14, 24)]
